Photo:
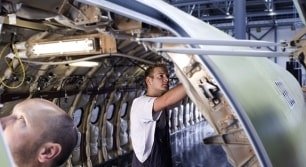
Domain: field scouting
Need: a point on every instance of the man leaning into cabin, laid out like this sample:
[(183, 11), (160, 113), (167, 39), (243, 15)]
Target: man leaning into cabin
[(39, 134), (149, 126)]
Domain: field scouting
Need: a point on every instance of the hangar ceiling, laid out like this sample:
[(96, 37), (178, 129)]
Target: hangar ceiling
[(259, 13)]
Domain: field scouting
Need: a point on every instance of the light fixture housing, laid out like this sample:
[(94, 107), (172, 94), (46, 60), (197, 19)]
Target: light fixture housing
[(72, 46), (65, 47)]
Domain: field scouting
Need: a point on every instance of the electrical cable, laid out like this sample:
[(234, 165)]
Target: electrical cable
[(22, 68)]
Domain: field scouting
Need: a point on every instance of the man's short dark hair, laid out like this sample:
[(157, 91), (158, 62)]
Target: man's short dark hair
[(149, 71)]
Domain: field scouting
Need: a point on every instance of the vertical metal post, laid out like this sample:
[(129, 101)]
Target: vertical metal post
[(275, 40), (240, 19)]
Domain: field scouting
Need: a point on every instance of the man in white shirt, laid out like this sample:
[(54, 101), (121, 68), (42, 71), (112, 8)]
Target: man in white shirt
[(149, 125)]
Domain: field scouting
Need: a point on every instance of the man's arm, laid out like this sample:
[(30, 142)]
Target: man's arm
[(171, 97)]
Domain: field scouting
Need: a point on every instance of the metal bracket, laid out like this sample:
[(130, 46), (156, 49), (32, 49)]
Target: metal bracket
[(234, 137), (192, 68), (228, 122), (210, 90)]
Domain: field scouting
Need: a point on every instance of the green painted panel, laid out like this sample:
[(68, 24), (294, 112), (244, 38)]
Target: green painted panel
[(5, 156)]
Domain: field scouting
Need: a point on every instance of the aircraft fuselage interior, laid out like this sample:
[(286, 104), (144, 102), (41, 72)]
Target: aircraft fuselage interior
[(89, 58)]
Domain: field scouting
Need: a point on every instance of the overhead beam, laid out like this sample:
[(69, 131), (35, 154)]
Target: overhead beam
[(14, 21)]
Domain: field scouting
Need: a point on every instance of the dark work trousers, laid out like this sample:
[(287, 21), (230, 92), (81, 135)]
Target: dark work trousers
[(161, 151)]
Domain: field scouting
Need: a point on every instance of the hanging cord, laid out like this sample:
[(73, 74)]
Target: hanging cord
[(10, 66), (4, 48)]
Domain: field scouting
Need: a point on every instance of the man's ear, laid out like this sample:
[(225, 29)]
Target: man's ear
[(148, 81), (48, 152)]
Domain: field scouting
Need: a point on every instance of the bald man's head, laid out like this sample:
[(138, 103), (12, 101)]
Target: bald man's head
[(35, 127)]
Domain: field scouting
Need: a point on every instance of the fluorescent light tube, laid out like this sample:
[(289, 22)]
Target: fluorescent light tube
[(64, 47), (84, 64)]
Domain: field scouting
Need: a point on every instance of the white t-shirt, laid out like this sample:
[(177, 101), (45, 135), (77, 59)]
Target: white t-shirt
[(143, 123)]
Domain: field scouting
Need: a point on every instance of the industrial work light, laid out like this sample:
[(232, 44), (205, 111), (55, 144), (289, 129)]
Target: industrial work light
[(71, 46), (64, 47)]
